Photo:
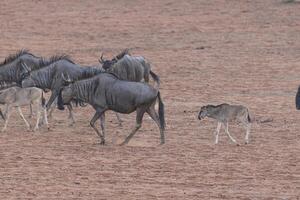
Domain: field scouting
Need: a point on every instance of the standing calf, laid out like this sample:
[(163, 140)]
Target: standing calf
[(225, 113), (16, 97)]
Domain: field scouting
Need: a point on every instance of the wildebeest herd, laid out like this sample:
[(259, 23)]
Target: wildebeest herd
[(120, 84)]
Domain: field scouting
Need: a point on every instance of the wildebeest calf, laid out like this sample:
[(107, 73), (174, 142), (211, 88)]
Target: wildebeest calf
[(225, 113), (16, 97)]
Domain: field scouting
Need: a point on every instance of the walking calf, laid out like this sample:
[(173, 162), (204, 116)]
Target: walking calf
[(16, 97), (225, 113)]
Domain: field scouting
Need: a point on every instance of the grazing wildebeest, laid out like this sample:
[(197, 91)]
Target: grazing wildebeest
[(129, 68), (16, 97), (106, 92), (50, 77), (225, 113)]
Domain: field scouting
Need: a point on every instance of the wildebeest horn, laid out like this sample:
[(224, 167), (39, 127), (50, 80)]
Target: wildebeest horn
[(68, 79), (24, 65), (101, 61), (122, 54)]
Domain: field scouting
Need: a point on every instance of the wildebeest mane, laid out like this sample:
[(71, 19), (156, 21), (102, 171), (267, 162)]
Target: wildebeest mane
[(55, 58), (14, 56), (216, 106)]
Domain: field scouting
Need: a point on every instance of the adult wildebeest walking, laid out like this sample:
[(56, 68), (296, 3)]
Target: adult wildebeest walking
[(16, 97), (225, 113), (106, 92), (129, 68), (50, 77)]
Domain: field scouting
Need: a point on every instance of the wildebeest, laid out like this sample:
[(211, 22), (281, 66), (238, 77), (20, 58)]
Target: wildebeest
[(298, 99), (5, 85), (16, 97), (106, 92), (50, 77), (225, 113), (129, 68), (12, 70)]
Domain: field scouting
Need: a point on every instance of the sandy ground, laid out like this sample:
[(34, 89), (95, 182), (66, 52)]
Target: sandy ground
[(240, 52)]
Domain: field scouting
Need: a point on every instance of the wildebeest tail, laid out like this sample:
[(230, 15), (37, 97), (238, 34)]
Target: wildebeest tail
[(161, 112), (248, 116), (155, 78), (2, 115)]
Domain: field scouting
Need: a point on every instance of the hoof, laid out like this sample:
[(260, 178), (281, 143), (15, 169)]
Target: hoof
[(123, 143), (237, 144), (102, 142)]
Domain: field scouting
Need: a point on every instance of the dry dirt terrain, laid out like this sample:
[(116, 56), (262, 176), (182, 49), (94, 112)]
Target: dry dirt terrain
[(205, 52)]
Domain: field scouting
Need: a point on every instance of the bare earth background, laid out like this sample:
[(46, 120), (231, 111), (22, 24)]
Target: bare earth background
[(243, 52)]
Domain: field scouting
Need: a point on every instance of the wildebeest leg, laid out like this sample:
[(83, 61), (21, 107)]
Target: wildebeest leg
[(102, 124), (119, 118), (217, 132), (45, 118), (139, 117), (6, 110), (71, 116), (92, 123), (154, 116), (38, 115), (226, 129), (31, 111), (51, 111), (21, 114), (6, 118), (247, 127), (51, 99), (3, 117)]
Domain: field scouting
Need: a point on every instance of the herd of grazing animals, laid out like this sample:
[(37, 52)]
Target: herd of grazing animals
[(120, 84)]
